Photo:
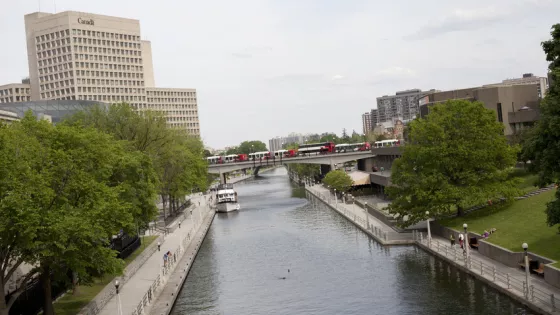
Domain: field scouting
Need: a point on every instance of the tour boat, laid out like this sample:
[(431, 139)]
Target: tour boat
[(226, 199)]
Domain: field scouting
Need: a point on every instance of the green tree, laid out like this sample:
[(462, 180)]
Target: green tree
[(345, 137), (253, 146), (544, 146), (338, 180), (356, 137), (290, 146), (457, 157), (77, 197), (305, 170), (329, 137), (207, 153)]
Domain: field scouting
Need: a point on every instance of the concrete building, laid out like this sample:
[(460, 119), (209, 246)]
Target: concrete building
[(527, 78), (8, 117), (403, 104), (178, 105), (516, 106), (277, 143), (84, 56), (374, 117), (15, 92), (366, 122)]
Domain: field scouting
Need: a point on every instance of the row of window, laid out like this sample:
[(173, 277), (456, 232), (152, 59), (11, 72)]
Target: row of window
[(52, 36), (12, 99), (11, 91), (172, 100), (57, 94), (107, 74), (98, 82), (53, 44), (171, 93), (53, 52), (56, 85), (54, 60), (106, 43), (108, 66), (108, 35), (109, 90), (108, 58), (55, 77), (56, 68)]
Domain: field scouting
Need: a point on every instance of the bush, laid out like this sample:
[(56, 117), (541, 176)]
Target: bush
[(338, 180)]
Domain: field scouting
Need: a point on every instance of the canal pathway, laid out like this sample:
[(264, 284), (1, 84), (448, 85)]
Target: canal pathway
[(334, 268)]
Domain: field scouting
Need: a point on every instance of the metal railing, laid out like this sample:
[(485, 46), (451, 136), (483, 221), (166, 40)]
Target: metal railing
[(161, 279), (538, 296)]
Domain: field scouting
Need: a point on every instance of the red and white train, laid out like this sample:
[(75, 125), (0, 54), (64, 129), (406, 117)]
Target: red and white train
[(303, 150)]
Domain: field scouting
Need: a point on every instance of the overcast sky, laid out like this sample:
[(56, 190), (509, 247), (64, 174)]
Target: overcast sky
[(265, 68)]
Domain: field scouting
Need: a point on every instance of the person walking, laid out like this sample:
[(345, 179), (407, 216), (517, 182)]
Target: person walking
[(461, 240), (165, 258), (452, 239)]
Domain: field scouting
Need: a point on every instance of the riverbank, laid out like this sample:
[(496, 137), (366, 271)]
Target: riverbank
[(538, 296)]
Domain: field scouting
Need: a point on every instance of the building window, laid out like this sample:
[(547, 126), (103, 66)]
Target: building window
[(500, 116)]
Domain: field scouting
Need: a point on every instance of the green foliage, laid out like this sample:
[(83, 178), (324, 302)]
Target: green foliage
[(457, 157), (305, 170), (247, 147), (74, 198), (290, 146), (338, 180), (544, 145), (330, 137)]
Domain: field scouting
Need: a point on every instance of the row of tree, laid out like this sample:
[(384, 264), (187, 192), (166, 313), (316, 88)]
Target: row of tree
[(66, 189), (457, 157), (247, 147)]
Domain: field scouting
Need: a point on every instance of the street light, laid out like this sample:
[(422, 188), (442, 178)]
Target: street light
[(428, 223), (466, 241), (528, 279), (118, 299)]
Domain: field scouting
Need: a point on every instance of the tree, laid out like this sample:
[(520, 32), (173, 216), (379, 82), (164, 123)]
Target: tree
[(345, 136), (329, 137), (356, 137), (207, 153), (338, 180), (305, 170), (247, 147), (290, 146), (544, 145), (74, 202), (457, 157)]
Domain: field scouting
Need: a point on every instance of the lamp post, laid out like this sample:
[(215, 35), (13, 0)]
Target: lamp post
[(118, 299), (428, 223), (466, 241), (528, 279)]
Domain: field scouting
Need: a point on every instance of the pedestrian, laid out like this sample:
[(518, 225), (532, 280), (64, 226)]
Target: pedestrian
[(452, 239), (165, 259), (461, 240), (158, 246)]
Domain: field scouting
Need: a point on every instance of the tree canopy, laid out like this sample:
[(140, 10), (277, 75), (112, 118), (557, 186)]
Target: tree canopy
[(457, 157), (65, 200), (544, 145), (338, 180), (247, 147)]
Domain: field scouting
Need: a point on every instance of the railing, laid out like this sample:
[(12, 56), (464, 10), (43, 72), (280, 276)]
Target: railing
[(538, 296), (161, 279)]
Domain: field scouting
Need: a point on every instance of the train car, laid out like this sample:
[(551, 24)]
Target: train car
[(364, 146), (343, 147), (264, 155), (387, 143), (290, 153), (241, 158), (214, 159), (230, 158), (322, 148), (280, 153)]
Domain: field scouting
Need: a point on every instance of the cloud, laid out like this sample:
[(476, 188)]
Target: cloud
[(252, 51), (460, 20), (337, 77)]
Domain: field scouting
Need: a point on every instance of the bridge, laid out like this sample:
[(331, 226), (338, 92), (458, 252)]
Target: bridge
[(323, 159)]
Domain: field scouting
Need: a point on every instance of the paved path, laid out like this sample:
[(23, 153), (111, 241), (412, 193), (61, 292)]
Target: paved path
[(132, 292), (498, 274)]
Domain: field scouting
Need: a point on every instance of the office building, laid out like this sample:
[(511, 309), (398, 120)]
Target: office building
[(366, 123), (374, 117), (7, 117), (403, 105), (84, 56), (527, 78), (15, 92), (277, 143), (516, 106)]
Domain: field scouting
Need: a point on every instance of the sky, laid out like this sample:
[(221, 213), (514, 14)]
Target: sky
[(266, 68)]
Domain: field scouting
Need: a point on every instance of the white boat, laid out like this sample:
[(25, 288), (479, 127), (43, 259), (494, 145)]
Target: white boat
[(226, 199)]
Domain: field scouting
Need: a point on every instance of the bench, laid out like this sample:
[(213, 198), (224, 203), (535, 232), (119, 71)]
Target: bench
[(473, 242), (540, 270)]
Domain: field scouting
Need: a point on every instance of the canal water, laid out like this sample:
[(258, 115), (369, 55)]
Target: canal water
[(334, 268)]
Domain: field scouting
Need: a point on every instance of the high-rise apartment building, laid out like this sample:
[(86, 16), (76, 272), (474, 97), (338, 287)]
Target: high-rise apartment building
[(402, 105), (366, 122), (84, 56)]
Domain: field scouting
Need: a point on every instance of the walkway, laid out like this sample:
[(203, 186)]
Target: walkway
[(512, 281), (133, 291)]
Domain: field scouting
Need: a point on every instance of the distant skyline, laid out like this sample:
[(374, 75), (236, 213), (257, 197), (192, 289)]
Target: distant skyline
[(266, 68)]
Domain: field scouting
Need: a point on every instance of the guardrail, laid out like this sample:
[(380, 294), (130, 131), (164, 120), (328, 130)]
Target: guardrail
[(538, 296), (161, 279)]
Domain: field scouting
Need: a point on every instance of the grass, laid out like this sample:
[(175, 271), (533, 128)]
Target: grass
[(72, 304), (522, 221)]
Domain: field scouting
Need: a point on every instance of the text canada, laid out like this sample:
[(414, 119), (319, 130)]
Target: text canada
[(87, 22)]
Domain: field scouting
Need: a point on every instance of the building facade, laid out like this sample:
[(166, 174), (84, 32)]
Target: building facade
[(52, 110), (84, 56), (516, 106), (15, 92), (366, 123), (404, 105), (8, 117), (526, 79)]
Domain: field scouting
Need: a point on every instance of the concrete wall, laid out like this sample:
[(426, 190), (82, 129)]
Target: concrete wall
[(552, 275)]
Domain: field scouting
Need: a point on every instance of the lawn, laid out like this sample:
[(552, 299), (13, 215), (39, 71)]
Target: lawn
[(520, 222), (72, 304)]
